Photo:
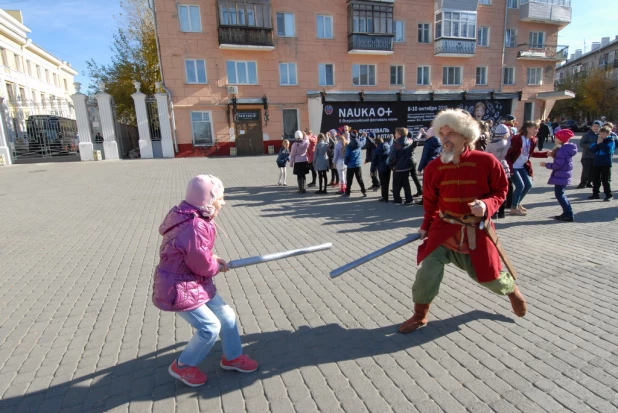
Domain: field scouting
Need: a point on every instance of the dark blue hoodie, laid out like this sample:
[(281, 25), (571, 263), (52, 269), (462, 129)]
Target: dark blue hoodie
[(431, 150), (353, 158), (400, 157), (604, 152)]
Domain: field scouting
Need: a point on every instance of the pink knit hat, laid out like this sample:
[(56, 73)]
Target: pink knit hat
[(202, 191), (564, 135)]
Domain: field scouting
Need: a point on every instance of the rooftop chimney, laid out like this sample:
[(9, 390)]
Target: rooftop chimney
[(595, 46), (578, 53), (605, 41)]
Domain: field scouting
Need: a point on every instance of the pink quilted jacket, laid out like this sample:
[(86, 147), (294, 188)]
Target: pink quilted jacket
[(183, 279)]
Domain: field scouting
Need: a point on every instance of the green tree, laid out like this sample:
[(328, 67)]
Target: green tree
[(134, 58)]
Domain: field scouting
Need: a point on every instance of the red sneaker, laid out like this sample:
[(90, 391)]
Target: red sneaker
[(242, 364), (191, 376)]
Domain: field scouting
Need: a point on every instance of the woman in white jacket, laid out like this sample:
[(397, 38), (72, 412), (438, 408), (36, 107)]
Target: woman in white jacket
[(342, 169)]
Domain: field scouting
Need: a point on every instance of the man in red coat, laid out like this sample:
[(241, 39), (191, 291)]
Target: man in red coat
[(313, 140), (461, 189)]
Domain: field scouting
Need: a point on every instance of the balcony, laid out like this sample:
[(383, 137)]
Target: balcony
[(544, 52), (371, 44), (246, 38), (455, 47), (548, 11)]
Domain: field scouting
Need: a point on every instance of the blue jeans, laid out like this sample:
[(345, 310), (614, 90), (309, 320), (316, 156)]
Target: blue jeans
[(523, 184), (567, 211), (213, 319)]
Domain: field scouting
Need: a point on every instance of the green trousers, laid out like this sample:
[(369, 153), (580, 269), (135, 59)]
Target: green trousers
[(429, 276)]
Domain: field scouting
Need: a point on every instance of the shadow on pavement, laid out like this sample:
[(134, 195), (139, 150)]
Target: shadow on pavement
[(146, 378)]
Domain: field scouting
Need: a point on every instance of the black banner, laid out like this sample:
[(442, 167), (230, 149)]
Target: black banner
[(247, 116), (382, 118)]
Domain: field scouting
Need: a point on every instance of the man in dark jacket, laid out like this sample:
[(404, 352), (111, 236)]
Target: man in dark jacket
[(352, 159), (542, 135), (431, 150), (588, 139), (371, 147), (380, 163), (400, 161)]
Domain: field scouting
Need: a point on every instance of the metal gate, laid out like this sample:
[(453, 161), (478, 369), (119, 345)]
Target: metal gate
[(154, 125), (41, 131)]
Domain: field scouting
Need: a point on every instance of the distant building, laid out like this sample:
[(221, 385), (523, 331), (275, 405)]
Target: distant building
[(247, 73), (603, 54)]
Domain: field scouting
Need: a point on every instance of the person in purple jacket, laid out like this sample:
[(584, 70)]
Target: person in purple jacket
[(562, 171), (183, 282)]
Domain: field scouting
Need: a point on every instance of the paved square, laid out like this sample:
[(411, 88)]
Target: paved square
[(78, 333)]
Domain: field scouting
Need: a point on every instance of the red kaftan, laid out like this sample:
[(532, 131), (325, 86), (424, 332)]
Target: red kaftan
[(449, 188)]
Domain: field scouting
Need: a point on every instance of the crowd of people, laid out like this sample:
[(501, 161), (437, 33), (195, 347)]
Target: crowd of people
[(393, 165)]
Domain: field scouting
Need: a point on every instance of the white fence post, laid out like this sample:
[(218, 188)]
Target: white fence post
[(108, 124), (167, 144), (83, 124), (5, 152), (143, 124)]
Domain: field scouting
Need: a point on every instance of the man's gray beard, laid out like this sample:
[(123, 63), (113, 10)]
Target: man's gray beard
[(447, 157)]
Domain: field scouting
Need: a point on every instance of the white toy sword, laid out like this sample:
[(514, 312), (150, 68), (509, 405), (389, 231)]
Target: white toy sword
[(243, 262)]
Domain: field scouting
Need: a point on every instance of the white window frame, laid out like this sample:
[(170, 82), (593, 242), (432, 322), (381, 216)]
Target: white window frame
[(285, 25), (483, 41), (484, 75), (505, 78), (445, 70), (320, 65), (402, 81), (284, 67), (197, 78), (403, 31), (375, 74), (451, 23), (317, 26), (428, 75), (539, 76), (513, 38), (418, 32), (190, 28), (246, 62), (536, 44), (212, 128)]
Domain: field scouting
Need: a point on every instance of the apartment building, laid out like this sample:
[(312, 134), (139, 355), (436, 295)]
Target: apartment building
[(602, 55), (246, 74)]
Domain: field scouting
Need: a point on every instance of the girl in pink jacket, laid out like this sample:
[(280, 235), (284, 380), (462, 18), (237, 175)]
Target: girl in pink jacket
[(183, 282)]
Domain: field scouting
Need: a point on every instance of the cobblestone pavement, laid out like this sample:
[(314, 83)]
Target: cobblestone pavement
[(79, 242)]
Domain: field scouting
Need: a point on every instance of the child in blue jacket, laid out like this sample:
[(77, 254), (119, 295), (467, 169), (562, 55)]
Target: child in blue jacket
[(603, 149), (353, 160)]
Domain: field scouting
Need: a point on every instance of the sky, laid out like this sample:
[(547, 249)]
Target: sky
[(80, 30)]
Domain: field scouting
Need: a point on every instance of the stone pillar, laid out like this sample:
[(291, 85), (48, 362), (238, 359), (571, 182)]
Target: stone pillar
[(83, 124), (167, 143), (143, 125), (108, 124), (5, 151)]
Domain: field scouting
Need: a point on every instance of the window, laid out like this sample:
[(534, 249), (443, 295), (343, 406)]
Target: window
[(398, 30), (396, 75), (364, 75), (190, 20), (290, 123), (481, 76), (241, 73), (29, 67), (33, 96), (47, 75), (451, 75), (17, 63), (287, 74), (511, 4), (285, 25), (201, 125), (66, 85), (43, 101), (511, 34), (55, 79), (482, 38), (424, 31), (534, 75), (195, 71), (327, 74), (38, 72), (10, 91), (536, 40), (456, 24), (372, 18), (22, 94), (485, 2), (422, 76), (254, 13), (2, 56), (509, 76), (325, 27)]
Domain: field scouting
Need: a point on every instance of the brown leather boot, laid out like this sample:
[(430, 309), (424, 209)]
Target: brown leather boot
[(418, 320), (518, 302)]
